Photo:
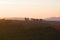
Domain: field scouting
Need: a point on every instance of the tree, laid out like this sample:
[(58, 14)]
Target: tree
[(26, 19), (41, 19)]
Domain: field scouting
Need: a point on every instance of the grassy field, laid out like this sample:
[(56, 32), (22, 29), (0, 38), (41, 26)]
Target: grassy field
[(29, 30)]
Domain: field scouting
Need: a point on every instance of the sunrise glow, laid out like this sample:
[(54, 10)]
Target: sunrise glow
[(30, 8)]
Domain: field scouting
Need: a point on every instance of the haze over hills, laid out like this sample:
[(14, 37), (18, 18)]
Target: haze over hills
[(53, 19), (47, 19)]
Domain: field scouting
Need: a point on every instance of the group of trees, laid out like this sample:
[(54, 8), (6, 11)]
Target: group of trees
[(32, 19)]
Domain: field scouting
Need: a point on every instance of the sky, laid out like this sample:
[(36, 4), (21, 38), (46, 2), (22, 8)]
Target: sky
[(30, 8)]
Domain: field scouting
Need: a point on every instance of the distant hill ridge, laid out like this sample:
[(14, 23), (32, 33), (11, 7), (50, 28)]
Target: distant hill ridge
[(14, 18), (46, 19)]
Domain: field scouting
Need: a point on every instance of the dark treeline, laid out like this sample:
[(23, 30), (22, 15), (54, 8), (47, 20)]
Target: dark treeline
[(29, 30)]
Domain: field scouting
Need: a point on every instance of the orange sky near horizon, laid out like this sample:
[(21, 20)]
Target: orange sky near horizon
[(30, 8)]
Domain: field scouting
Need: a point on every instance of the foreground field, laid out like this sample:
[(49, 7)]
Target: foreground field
[(29, 30)]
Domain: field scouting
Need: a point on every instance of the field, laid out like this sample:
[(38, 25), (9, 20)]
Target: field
[(29, 30)]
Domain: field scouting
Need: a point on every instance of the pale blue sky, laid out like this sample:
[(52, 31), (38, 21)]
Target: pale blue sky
[(30, 8)]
